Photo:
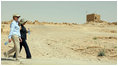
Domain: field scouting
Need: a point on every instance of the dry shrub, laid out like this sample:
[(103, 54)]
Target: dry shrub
[(106, 37), (101, 53)]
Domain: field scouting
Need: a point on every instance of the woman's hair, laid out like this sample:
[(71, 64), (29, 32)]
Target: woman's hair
[(13, 17), (19, 24)]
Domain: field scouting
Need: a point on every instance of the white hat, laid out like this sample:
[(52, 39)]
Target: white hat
[(16, 15), (23, 21)]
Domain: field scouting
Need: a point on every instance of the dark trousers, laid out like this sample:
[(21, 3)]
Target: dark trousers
[(24, 44)]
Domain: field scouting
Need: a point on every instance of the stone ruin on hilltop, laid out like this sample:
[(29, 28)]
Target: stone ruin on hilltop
[(93, 18)]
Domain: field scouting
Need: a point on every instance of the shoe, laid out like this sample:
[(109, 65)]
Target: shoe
[(14, 56), (29, 58), (5, 54), (17, 60)]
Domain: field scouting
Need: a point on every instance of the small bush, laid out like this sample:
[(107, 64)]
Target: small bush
[(115, 47), (94, 38), (101, 53)]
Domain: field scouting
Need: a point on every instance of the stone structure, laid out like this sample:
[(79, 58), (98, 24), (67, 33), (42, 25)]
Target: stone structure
[(93, 17)]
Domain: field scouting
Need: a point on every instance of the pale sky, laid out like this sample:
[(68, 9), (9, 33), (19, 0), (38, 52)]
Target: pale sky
[(59, 11)]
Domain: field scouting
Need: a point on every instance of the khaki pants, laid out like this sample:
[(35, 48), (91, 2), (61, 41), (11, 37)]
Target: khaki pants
[(16, 47)]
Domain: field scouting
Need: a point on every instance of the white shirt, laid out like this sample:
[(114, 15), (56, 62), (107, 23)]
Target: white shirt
[(14, 29)]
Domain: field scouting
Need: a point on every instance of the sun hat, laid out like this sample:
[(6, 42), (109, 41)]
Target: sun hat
[(16, 15), (23, 21)]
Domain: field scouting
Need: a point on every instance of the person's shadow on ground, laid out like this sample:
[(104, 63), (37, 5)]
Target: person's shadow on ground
[(7, 59), (10, 59)]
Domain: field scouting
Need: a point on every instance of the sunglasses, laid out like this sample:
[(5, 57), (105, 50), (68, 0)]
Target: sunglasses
[(17, 16)]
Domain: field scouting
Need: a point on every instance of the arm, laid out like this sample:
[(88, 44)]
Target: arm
[(11, 30), (26, 31), (12, 25), (20, 35), (19, 32)]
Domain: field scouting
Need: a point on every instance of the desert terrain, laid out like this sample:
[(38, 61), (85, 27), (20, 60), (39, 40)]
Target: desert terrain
[(65, 44)]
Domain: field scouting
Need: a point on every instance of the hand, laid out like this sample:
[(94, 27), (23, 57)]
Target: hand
[(20, 39), (9, 40)]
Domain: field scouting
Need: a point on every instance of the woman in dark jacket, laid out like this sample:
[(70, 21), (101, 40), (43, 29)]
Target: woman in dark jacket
[(24, 32)]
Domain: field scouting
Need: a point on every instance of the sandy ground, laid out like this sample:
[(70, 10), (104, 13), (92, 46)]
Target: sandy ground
[(66, 45)]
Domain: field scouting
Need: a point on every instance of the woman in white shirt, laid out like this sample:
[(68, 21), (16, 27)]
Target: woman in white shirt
[(15, 36)]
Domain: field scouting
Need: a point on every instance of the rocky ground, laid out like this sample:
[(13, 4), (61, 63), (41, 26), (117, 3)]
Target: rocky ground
[(79, 44)]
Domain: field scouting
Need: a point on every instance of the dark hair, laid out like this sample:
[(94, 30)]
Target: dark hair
[(13, 17)]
